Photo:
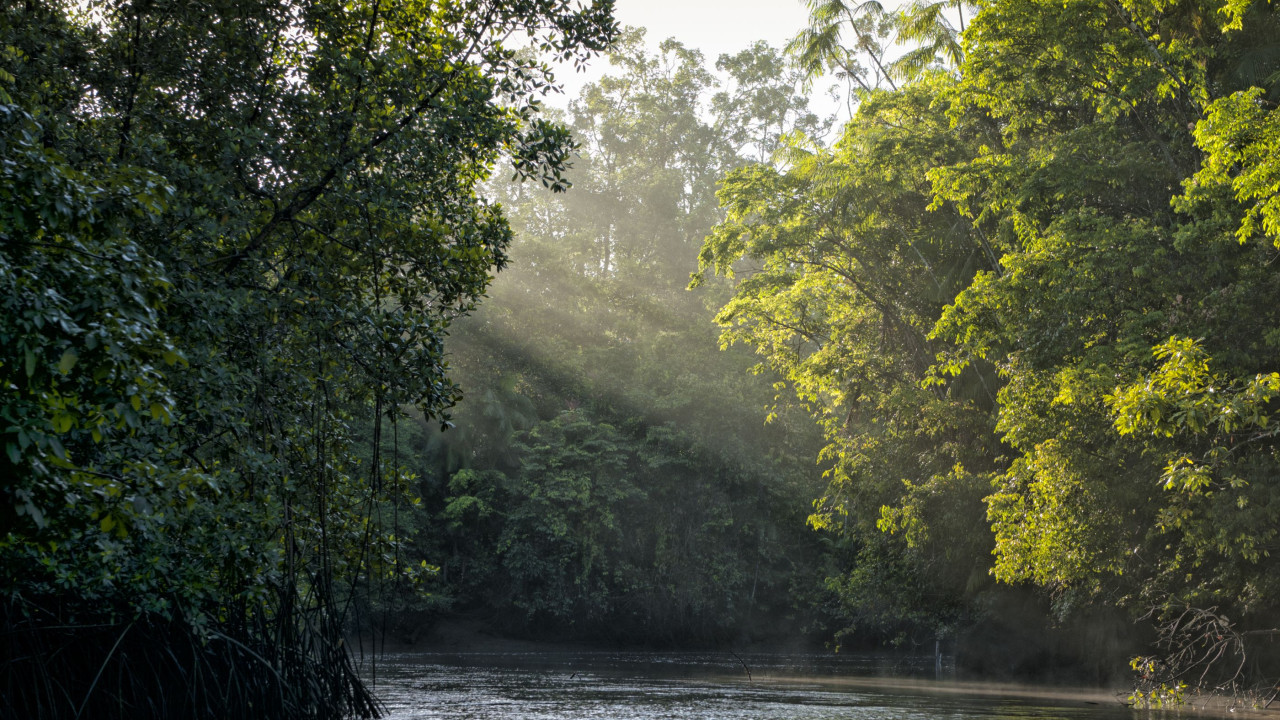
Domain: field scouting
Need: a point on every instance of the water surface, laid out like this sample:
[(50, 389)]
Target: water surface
[(640, 686)]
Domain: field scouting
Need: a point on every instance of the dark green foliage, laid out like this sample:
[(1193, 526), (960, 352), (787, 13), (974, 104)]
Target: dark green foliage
[(640, 538), (229, 231)]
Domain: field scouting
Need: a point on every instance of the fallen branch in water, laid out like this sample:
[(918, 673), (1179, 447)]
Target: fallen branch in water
[(744, 666)]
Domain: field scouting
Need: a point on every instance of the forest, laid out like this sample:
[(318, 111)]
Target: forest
[(321, 322)]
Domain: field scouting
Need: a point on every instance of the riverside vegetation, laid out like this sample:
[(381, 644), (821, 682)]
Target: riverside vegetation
[(231, 232), (1022, 313)]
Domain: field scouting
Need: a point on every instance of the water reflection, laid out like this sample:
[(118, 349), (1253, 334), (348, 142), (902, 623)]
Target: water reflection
[(611, 686)]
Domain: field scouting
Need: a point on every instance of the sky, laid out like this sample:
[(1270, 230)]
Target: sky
[(715, 26), (712, 26)]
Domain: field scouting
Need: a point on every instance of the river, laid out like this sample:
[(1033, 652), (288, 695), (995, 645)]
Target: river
[(720, 686)]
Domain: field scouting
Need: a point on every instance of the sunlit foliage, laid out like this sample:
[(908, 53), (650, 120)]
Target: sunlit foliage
[(1057, 280)]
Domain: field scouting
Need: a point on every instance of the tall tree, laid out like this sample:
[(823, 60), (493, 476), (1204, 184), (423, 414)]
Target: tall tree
[(932, 31), (860, 61)]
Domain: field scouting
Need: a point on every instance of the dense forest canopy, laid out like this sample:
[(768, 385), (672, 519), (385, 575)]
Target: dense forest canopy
[(1030, 295), (1015, 329), (232, 232), (611, 475)]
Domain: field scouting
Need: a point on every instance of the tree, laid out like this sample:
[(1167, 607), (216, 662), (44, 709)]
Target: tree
[(928, 25), (844, 272), (1133, 477), (1109, 167), (228, 231), (762, 106), (821, 48), (923, 35)]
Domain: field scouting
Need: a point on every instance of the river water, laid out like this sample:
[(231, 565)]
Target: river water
[(639, 686)]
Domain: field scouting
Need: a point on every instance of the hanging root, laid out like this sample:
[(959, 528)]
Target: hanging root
[(81, 667), (1200, 650)]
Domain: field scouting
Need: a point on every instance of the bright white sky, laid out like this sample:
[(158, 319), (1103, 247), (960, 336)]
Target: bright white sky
[(715, 26), (712, 26)]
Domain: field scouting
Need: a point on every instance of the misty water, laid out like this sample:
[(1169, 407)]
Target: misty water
[(640, 686)]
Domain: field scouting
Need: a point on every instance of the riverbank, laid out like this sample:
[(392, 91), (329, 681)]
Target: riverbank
[(466, 635), (473, 635), (1197, 705)]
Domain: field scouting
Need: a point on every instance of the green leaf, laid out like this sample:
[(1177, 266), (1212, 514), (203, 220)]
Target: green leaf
[(67, 361)]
